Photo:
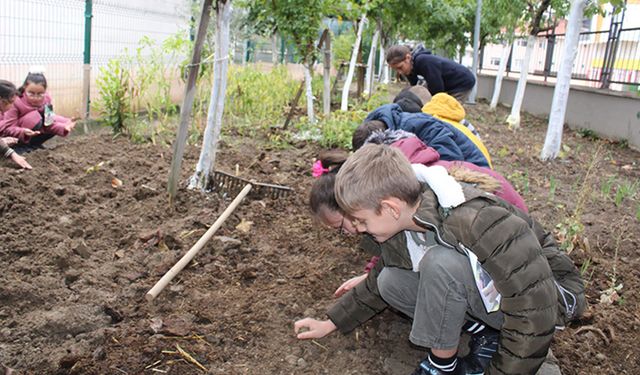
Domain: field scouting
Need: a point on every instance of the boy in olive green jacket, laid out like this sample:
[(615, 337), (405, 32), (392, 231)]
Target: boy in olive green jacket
[(492, 265)]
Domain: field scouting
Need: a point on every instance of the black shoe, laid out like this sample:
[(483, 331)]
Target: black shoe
[(483, 345), (426, 368), (21, 149)]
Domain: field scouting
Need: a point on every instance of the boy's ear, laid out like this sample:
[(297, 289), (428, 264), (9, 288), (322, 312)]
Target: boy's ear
[(392, 206)]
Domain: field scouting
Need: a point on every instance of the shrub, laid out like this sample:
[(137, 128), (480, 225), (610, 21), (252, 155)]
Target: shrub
[(259, 99), (114, 102)]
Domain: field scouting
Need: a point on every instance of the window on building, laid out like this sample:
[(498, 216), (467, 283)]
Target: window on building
[(495, 61)]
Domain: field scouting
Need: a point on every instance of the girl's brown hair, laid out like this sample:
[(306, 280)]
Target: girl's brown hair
[(35, 78), (395, 54), (322, 194), (7, 90)]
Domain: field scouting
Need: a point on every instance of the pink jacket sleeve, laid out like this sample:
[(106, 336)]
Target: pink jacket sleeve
[(57, 127), (9, 125)]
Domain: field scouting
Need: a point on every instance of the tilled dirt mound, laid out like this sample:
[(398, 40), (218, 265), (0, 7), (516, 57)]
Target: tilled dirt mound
[(79, 251)]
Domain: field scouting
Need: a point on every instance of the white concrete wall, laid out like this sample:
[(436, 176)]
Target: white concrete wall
[(611, 114)]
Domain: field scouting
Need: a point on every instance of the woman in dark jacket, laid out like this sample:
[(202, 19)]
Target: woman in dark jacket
[(438, 73)]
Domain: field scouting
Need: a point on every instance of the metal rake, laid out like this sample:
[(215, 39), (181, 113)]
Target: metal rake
[(225, 182)]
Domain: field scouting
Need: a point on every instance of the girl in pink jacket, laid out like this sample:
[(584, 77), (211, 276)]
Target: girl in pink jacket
[(31, 119)]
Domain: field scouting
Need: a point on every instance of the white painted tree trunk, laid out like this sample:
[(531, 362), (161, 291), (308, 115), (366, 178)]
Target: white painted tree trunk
[(344, 105), (504, 58), (514, 118), (206, 163), (368, 80), (476, 51), (309, 92), (274, 49), (385, 73), (381, 60), (553, 139), (326, 92)]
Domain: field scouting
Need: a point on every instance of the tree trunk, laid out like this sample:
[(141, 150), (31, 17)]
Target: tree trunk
[(187, 102), (352, 65), (553, 139), (274, 49), (384, 67), (476, 51), (514, 118), (326, 93), (308, 91), (506, 51), (206, 163), (368, 80), (381, 60)]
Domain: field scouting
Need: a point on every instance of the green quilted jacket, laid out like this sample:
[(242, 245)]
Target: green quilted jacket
[(513, 248)]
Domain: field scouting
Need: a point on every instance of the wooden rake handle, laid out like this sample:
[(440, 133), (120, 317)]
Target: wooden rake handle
[(182, 263)]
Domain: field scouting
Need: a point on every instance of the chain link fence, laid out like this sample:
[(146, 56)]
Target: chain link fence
[(49, 35)]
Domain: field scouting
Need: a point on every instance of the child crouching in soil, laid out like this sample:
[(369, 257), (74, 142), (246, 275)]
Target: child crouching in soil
[(31, 119), (8, 94), (492, 263)]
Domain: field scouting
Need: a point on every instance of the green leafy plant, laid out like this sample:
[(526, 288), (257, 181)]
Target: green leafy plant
[(335, 130), (569, 234), (141, 81), (114, 102), (258, 100), (623, 143), (342, 47), (625, 190), (588, 133), (605, 189), (586, 271)]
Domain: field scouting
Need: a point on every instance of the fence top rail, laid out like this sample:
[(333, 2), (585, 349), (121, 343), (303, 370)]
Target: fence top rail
[(582, 33)]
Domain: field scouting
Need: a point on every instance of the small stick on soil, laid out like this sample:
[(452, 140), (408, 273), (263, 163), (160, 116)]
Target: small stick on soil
[(160, 371), (192, 337), (153, 364), (594, 330), (149, 187), (320, 345), (188, 257), (189, 233), (189, 358)]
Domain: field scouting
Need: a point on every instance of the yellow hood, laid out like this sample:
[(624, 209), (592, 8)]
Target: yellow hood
[(445, 106)]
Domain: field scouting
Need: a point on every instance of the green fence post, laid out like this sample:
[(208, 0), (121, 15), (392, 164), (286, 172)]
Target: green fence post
[(283, 48), (86, 78)]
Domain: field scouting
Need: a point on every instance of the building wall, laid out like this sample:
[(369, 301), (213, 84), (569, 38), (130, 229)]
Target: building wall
[(610, 114)]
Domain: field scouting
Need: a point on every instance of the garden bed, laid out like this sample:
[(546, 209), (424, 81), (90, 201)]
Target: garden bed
[(78, 256)]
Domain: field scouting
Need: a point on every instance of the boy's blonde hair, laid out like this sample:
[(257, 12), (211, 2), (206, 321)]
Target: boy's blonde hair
[(373, 173)]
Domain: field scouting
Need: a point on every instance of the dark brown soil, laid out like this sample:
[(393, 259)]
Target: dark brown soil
[(78, 256)]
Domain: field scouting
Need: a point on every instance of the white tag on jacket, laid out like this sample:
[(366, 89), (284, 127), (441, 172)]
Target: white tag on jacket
[(484, 282)]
